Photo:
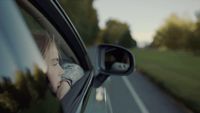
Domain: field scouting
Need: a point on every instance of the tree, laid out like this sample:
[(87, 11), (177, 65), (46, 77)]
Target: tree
[(84, 17), (194, 40), (174, 33), (117, 33), (127, 40), (113, 31)]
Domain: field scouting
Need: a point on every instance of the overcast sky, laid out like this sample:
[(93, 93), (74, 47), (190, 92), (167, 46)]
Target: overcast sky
[(144, 16)]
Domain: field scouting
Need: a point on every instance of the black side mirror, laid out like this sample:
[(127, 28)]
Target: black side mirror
[(115, 60), (112, 60)]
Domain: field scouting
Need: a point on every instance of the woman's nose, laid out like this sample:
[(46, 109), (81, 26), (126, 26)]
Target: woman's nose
[(61, 71)]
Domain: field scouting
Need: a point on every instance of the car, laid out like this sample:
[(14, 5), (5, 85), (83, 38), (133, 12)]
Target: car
[(24, 85)]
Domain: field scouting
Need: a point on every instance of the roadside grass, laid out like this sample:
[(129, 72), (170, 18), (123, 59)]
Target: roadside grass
[(177, 72)]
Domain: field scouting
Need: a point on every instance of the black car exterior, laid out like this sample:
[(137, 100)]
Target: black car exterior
[(23, 85)]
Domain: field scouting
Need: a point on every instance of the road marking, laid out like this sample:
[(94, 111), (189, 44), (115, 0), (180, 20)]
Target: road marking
[(109, 103), (135, 96)]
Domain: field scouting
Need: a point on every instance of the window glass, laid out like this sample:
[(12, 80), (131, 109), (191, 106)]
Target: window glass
[(63, 67), (22, 71), (37, 90)]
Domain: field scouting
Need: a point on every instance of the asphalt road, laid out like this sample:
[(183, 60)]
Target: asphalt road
[(130, 94), (133, 94)]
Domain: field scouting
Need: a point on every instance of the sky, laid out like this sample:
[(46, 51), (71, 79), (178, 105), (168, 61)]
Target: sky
[(144, 16)]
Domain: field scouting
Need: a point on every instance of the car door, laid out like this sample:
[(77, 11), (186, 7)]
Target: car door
[(26, 89)]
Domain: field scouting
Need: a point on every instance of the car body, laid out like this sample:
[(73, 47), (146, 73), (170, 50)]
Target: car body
[(23, 84)]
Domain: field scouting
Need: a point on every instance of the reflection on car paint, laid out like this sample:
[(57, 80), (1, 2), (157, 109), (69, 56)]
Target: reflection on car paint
[(26, 93)]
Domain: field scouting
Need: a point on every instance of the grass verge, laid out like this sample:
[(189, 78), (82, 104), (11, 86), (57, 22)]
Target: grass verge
[(177, 72)]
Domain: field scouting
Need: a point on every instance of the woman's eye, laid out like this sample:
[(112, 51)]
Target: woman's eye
[(55, 64)]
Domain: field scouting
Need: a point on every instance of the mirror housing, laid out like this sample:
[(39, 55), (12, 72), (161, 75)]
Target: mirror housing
[(115, 60), (112, 60)]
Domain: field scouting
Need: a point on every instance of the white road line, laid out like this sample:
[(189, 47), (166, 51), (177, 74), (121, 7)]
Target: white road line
[(135, 96)]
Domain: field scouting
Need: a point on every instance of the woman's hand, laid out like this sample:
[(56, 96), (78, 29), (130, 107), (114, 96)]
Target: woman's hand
[(62, 89)]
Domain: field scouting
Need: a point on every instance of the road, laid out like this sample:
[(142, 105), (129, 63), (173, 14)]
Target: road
[(133, 94)]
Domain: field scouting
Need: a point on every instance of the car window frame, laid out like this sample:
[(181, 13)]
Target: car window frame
[(59, 19)]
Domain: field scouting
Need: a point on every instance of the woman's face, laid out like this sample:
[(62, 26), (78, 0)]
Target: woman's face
[(54, 71)]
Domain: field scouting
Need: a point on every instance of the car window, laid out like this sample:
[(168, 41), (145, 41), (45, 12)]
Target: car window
[(44, 90), (21, 66)]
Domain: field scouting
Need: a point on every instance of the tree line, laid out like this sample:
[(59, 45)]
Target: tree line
[(85, 18), (178, 34)]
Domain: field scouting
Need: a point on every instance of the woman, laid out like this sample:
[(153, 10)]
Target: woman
[(55, 72)]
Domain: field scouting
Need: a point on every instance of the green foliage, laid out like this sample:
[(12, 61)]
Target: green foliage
[(176, 71), (194, 40), (84, 17), (174, 33), (114, 31), (178, 33), (117, 33), (127, 41)]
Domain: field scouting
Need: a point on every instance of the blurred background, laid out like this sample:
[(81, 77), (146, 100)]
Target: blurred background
[(164, 36)]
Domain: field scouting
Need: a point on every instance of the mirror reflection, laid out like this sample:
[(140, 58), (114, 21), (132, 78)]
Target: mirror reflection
[(116, 60)]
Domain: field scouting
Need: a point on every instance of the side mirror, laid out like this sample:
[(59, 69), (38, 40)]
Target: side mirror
[(111, 60), (115, 60)]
